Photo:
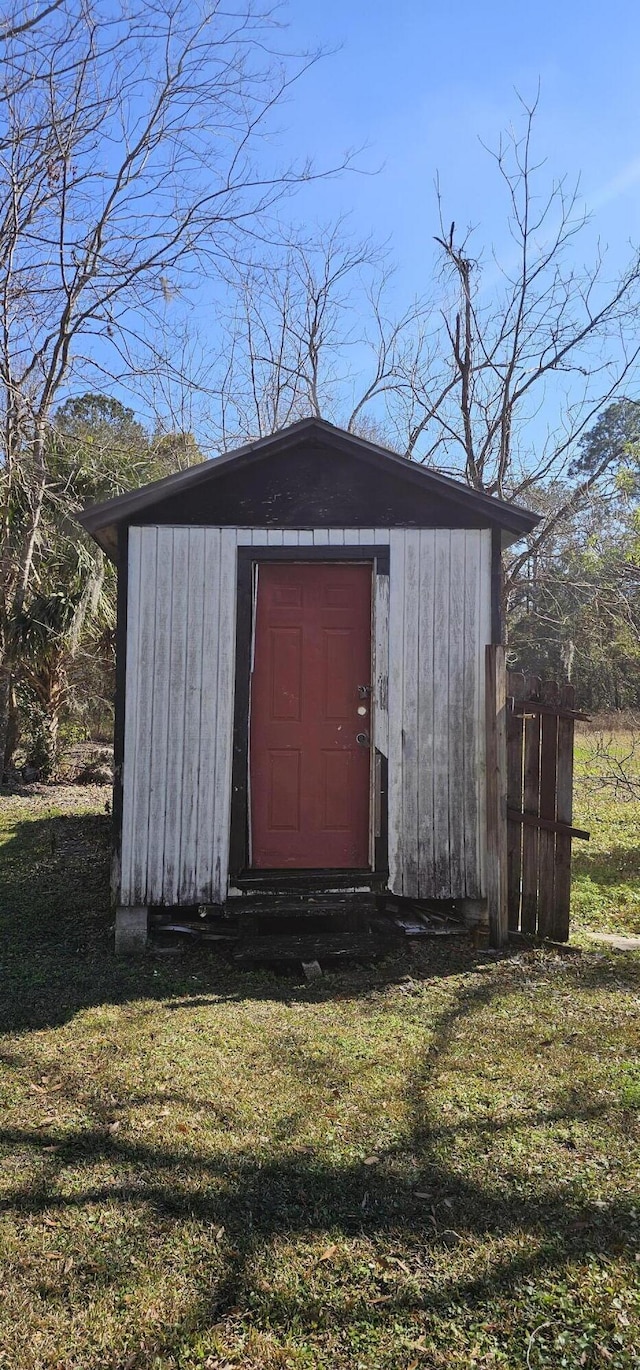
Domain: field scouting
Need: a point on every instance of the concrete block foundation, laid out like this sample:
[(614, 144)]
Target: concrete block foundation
[(131, 931)]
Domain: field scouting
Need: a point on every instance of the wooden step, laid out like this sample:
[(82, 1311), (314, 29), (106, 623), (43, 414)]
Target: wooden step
[(293, 949)]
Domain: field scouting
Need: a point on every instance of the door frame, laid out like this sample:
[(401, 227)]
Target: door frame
[(247, 558)]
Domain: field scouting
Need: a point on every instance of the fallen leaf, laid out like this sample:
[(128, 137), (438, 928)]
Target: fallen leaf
[(328, 1253), (113, 1127), (182, 1127), (421, 1194), (372, 1160)]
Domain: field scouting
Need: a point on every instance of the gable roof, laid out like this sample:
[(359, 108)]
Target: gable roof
[(102, 520)]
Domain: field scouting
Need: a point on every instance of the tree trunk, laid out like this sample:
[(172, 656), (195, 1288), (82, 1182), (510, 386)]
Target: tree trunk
[(5, 709)]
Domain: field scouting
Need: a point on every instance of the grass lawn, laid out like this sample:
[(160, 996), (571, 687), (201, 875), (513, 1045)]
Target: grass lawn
[(431, 1162), (606, 870)]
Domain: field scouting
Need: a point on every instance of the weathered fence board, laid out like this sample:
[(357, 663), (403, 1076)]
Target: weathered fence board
[(496, 794), (529, 909), (515, 729), (540, 732), (564, 814)]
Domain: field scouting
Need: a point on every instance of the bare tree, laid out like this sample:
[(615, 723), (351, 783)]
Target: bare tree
[(517, 336), (495, 374), (308, 333), (130, 168)]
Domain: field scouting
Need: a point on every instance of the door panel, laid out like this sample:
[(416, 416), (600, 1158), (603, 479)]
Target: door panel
[(309, 776)]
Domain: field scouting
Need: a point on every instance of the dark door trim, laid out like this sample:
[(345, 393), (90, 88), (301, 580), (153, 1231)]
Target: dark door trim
[(247, 557)]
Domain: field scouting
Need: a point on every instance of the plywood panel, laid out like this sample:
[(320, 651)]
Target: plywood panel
[(224, 721), (442, 799), (471, 705), (188, 879), (175, 727), (439, 622), (131, 716), (458, 647), (381, 666), (411, 684), (144, 715), (397, 600), (208, 718), (161, 678), (426, 609)]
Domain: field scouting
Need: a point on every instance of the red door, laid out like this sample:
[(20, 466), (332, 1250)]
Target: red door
[(309, 775)]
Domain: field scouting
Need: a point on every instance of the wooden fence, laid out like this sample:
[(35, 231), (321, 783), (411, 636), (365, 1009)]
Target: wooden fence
[(530, 737)]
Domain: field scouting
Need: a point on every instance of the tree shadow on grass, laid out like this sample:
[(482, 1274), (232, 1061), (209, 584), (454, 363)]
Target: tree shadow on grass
[(56, 940), (411, 1199)]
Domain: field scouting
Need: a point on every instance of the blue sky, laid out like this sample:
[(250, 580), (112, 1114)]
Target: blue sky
[(418, 86), (419, 83)]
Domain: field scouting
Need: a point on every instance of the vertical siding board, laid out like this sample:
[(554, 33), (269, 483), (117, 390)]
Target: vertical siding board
[(425, 715), (224, 722), (175, 731), (290, 537), (275, 536), (336, 537), (258, 537), (411, 683), (442, 871), (381, 666), (131, 715), (396, 693), (160, 685), (484, 619), (321, 537), (305, 537), (208, 715), (144, 714), (471, 718), (188, 882), (457, 651)]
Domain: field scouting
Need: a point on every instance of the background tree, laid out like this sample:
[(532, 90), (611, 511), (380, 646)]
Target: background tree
[(128, 168), (64, 636)]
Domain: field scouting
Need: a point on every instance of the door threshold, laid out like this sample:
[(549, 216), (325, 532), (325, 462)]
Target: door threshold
[(323, 880)]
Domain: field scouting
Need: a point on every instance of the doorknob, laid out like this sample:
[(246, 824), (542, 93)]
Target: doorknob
[(362, 739)]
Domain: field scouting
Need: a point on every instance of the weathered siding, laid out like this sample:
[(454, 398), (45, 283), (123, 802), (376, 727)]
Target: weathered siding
[(180, 683), (178, 722), (439, 623), (431, 621)]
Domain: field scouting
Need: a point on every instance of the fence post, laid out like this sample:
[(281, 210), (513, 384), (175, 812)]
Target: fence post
[(496, 754), (564, 814), (515, 732)]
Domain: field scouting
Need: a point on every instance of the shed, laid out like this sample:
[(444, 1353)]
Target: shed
[(300, 674)]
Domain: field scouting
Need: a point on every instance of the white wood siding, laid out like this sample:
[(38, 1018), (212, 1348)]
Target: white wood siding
[(431, 620), (439, 623), (180, 682)]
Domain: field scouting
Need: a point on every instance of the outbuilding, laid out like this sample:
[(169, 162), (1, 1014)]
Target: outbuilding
[(300, 674)]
